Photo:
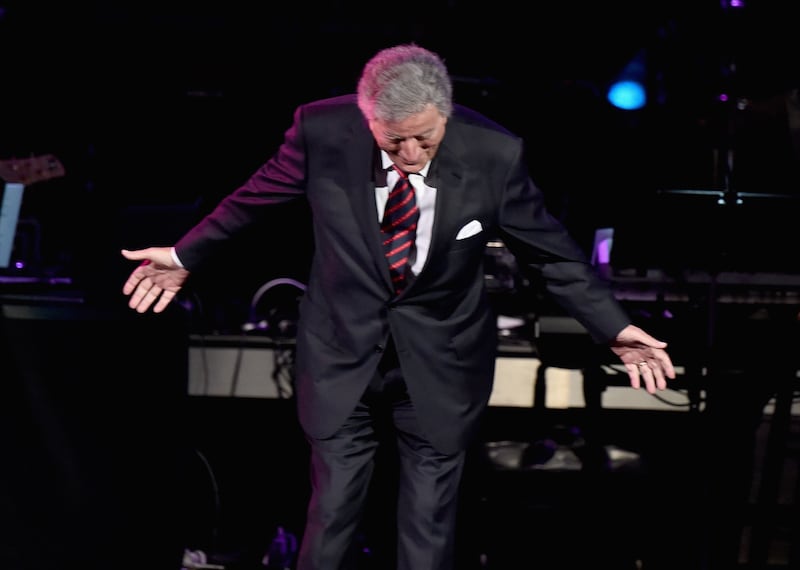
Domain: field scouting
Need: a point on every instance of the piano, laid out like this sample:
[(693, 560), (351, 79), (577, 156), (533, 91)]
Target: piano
[(724, 287)]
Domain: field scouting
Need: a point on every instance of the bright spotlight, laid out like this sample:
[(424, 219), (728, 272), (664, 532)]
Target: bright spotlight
[(628, 91), (628, 95)]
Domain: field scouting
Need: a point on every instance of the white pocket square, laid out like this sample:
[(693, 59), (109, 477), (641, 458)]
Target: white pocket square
[(469, 230)]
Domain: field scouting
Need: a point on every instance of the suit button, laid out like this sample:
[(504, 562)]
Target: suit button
[(379, 348)]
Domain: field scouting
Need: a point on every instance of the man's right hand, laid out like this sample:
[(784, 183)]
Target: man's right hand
[(157, 279)]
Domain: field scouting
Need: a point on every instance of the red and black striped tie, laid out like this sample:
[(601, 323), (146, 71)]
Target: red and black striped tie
[(399, 229)]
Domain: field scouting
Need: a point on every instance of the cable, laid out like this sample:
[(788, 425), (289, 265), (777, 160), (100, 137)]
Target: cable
[(216, 497), (253, 322), (278, 325)]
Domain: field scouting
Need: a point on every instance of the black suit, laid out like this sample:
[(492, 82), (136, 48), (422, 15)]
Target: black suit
[(442, 325)]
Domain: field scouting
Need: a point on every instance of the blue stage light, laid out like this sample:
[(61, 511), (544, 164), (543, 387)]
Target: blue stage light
[(628, 90), (628, 95)]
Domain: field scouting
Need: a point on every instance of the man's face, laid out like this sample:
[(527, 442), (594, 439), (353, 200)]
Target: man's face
[(413, 142)]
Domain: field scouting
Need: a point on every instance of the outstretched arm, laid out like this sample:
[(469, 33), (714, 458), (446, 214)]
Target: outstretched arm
[(157, 279), (645, 358)]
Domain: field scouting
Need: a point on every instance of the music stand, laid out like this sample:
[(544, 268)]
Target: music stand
[(16, 174), (10, 206)]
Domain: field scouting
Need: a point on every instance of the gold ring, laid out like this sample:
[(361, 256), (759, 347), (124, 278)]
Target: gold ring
[(642, 363)]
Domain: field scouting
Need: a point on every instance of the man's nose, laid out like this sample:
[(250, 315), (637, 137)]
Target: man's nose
[(411, 150)]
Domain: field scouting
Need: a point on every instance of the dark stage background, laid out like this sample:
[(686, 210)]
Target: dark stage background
[(157, 109)]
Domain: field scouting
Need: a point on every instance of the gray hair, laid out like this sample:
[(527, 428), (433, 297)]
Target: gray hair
[(401, 81)]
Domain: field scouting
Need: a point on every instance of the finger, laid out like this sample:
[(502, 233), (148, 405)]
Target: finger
[(143, 295), (135, 254), (633, 374), (163, 301), (665, 365), (647, 372), (659, 372), (140, 301), (662, 368), (658, 367), (136, 277), (133, 281), (147, 300), (647, 376), (649, 381)]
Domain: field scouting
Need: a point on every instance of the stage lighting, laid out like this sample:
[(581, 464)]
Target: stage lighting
[(628, 90)]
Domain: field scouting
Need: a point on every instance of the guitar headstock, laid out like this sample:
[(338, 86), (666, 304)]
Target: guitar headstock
[(31, 170)]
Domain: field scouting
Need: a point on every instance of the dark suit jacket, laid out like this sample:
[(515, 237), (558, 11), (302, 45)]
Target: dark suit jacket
[(443, 326)]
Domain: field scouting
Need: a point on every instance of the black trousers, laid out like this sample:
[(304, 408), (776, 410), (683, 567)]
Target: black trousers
[(342, 469)]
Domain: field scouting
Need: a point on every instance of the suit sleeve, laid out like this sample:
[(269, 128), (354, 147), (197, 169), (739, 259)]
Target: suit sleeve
[(277, 181), (544, 250)]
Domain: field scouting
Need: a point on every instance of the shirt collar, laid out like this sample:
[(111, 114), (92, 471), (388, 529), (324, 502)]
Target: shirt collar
[(386, 164)]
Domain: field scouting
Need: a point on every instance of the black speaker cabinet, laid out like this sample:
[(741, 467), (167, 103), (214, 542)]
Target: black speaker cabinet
[(91, 431)]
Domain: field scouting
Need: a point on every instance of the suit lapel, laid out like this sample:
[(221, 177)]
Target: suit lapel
[(447, 176), (359, 176)]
